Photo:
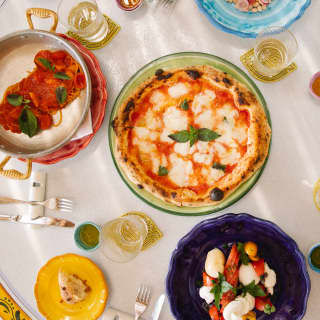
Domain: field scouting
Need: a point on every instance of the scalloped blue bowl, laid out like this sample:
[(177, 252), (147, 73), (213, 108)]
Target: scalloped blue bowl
[(280, 13), (280, 251)]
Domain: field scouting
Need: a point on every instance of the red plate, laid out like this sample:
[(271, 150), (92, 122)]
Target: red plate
[(98, 107)]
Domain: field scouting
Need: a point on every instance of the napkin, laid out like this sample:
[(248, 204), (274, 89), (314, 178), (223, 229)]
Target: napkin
[(85, 128)]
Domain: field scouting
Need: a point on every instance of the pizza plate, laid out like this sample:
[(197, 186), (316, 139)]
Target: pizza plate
[(175, 61), (224, 16)]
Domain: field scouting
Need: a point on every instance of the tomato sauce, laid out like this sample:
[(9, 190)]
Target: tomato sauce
[(38, 92)]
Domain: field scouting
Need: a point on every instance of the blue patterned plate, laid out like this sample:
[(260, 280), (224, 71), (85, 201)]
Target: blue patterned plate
[(280, 251), (225, 16)]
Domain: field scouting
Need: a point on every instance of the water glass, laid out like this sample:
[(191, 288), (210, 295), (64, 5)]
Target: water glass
[(84, 18), (274, 50), (122, 238)]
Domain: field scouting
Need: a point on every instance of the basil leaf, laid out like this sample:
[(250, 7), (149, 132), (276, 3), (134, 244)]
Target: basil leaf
[(181, 136), (243, 256), (217, 295), (163, 171), (269, 309), (62, 76), (193, 135), (28, 122), (61, 94), (225, 119), (185, 105), (219, 166), (26, 101), (15, 99), (46, 63), (205, 134), (254, 290), (226, 286)]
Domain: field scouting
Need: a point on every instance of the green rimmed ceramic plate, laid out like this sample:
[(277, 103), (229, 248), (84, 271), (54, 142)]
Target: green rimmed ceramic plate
[(174, 61)]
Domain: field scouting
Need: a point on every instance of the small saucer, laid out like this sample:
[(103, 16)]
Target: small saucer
[(247, 61), (313, 79), (312, 266)]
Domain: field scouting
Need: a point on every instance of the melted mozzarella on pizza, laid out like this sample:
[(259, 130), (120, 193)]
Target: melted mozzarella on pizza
[(189, 166)]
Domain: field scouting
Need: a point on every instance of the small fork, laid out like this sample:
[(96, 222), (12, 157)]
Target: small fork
[(166, 3), (142, 301), (52, 203)]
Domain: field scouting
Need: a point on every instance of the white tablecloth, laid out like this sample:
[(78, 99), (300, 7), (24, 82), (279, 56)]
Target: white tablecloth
[(283, 194)]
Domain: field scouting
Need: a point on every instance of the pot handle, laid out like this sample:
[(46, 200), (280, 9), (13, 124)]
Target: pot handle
[(44, 14), (14, 174)]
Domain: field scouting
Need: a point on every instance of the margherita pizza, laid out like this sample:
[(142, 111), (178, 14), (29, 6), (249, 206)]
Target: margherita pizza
[(191, 136)]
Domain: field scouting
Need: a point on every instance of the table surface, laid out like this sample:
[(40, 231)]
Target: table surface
[(283, 194)]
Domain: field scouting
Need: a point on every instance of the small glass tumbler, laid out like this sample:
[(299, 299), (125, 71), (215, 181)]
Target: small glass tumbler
[(83, 18), (274, 50), (122, 238)]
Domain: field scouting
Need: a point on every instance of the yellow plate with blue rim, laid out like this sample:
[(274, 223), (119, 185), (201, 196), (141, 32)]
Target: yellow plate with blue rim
[(47, 290)]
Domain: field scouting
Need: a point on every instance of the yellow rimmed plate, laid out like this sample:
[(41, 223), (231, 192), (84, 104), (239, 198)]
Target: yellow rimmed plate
[(47, 290)]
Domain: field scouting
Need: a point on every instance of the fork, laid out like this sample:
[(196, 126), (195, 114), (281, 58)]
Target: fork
[(52, 203), (166, 3), (142, 301)]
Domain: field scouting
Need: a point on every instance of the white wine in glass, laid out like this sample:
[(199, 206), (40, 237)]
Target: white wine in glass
[(83, 18), (122, 238), (274, 50)]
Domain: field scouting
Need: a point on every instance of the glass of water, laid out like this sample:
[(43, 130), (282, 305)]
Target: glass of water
[(122, 238), (84, 18), (274, 50)]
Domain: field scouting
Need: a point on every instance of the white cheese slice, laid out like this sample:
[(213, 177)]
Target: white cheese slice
[(164, 137), (180, 170), (182, 148), (240, 134), (212, 175), (205, 119), (201, 100), (203, 158), (228, 113), (157, 98), (152, 121), (155, 162), (178, 90), (175, 120), (203, 146), (141, 132)]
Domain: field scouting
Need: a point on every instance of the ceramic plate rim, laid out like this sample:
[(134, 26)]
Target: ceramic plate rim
[(249, 34), (210, 208), (297, 252)]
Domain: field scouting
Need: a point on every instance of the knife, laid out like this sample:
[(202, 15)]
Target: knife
[(157, 308), (46, 221)]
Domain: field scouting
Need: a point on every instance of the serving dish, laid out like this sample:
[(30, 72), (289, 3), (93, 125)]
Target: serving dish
[(180, 60), (47, 291), (224, 16), (16, 59), (281, 252), (97, 107)]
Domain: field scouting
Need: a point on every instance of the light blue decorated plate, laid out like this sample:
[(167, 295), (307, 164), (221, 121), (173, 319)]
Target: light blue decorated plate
[(225, 16)]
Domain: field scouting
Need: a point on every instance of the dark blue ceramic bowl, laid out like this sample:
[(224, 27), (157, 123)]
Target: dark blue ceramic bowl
[(279, 250)]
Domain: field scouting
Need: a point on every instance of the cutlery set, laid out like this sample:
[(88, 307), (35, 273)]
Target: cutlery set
[(52, 204), (141, 304)]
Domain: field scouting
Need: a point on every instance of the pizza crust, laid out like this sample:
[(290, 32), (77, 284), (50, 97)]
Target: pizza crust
[(259, 135)]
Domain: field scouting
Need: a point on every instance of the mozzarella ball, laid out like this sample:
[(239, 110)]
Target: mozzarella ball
[(215, 263), (247, 274)]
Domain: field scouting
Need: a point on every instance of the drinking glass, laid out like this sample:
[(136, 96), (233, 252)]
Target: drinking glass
[(274, 50), (84, 18), (122, 238)]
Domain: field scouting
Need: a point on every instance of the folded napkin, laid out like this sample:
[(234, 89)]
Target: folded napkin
[(85, 129)]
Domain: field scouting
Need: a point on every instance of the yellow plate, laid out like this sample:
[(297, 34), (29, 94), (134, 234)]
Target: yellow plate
[(316, 194), (47, 290)]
